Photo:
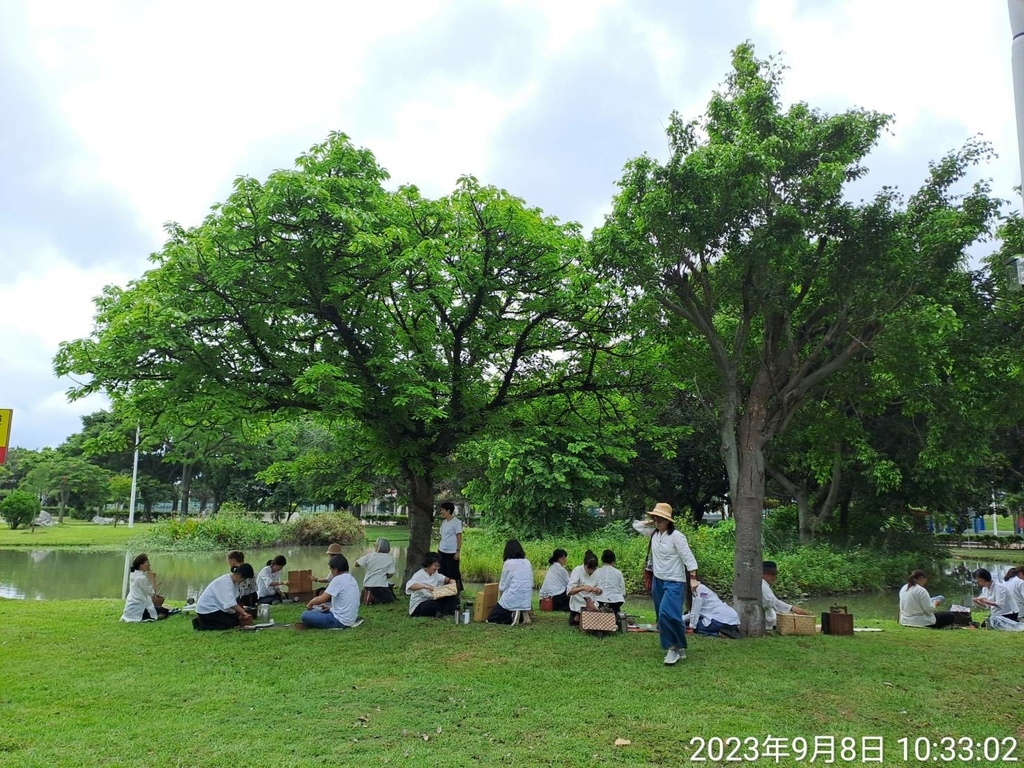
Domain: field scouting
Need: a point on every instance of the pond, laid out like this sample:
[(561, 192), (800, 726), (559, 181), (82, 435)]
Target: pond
[(63, 574)]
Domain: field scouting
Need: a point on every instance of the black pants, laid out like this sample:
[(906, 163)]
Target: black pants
[(216, 620), (560, 602), (375, 595), (446, 606), (247, 599), (450, 568), (270, 600), (616, 607), (501, 615)]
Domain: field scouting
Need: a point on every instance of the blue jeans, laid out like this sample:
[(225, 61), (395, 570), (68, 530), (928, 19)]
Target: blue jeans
[(668, 612), (317, 619), (712, 628)]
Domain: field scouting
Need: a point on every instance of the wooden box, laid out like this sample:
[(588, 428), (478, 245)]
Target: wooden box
[(486, 599), (300, 581), (794, 624), (838, 621)]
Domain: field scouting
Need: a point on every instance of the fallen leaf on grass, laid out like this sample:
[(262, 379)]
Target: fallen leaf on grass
[(622, 742), (363, 718), (426, 737), (887, 684), (439, 729)]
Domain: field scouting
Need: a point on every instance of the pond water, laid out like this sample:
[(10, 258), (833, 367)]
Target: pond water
[(62, 574)]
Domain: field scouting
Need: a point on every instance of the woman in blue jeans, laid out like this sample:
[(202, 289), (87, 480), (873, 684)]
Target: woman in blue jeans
[(672, 563), (338, 606)]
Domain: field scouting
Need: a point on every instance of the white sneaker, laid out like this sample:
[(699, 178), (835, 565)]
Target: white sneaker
[(671, 657)]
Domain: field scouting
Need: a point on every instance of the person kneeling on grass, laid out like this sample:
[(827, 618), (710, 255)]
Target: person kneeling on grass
[(139, 605), (515, 585), (556, 581), (268, 581), (710, 616), (380, 566), (611, 582), (338, 606), (218, 607), (421, 587)]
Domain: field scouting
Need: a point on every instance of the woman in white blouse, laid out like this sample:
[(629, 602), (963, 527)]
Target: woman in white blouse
[(380, 566), (995, 596), (268, 581), (556, 581), (218, 607), (712, 617), (583, 587), (917, 607), (515, 585), (138, 606), (420, 589), (611, 582), (671, 561)]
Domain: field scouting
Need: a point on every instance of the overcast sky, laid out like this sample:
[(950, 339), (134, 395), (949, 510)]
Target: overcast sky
[(118, 116)]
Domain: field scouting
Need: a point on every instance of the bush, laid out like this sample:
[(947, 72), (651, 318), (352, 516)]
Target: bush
[(19, 508), (325, 528)]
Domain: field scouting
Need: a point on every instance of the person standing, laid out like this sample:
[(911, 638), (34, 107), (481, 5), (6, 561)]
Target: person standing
[(769, 602), (450, 547), (672, 563)]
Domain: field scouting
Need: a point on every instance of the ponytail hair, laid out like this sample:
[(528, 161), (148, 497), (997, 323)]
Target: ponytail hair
[(589, 560), (918, 574), (139, 560), (557, 555), (279, 560), (244, 570)]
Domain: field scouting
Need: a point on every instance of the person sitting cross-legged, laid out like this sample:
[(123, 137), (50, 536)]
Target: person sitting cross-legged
[(338, 606)]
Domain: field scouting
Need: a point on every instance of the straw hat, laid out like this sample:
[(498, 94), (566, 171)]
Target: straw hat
[(662, 510), (334, 549)]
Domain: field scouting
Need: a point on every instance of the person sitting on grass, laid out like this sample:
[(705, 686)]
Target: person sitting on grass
[(218, 607), (583, 588), (332, 550), (338, 606), (380, 566), (421, 586), (1017, 588), (247, 588), (268, 583), (515, 585), (139, 606), (917, 607), (611, 582), (994, 596), (556, 581), (710, 616), (769, 602)]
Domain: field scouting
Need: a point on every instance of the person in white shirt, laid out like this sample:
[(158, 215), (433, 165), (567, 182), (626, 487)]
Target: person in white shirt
[(917, 607), (332, 550), (769, 602), (380, 566), (1017, 588), (583, 588), (611, 582), (420, 589), (268, 581), (450, 546), (217, 607), (556, 581), (138, 606), (338, 606), (515, 585), (247, 588), (710, 616), (672, 561), (994, 596)]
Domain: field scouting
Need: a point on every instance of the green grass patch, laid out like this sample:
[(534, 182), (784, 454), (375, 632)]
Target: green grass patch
[(82, 689), (1009, 556), (74, 533)]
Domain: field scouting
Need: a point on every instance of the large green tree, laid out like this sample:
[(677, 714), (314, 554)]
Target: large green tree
[(320, 291), (768, 273)]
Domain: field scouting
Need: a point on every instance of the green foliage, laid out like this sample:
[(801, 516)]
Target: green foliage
[(19, 508), (234, 509), (197, 534), (325, 528)]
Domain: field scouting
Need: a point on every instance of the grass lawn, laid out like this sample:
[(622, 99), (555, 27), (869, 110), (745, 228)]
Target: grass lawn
[(396, 534), (81, 689), (1009, 556), (72, 533)]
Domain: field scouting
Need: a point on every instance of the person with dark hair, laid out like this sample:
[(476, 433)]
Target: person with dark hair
[(268, 583), (769, 602), (218, 607), (611, 582), (142, 588), (995, 596), (710, 616), (422, 585), (515, 585), (380, 566), (247, 588), (332, 550), (338, 606), (671, 561), (556, 581), (1017, 588), (450, 546), (917, 607), (583, 588)]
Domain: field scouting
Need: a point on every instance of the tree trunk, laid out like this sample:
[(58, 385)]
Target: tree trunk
[(748, 505), (186, 486), (804, 515), (421, 518)]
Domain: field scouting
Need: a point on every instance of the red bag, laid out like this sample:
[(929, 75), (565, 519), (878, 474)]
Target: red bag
[(547, 604), (648, 580)]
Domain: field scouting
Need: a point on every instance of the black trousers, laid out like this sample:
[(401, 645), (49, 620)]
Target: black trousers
[(450, 567), (375, 595), (446, 606), (216, 620)]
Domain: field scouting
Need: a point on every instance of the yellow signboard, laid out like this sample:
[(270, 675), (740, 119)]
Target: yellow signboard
[(5, 432)]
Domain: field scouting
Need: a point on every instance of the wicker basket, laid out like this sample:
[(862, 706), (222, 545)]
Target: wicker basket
[(795, 624)]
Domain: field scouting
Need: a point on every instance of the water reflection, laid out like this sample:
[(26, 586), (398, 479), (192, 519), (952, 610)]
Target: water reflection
[(60, 574)]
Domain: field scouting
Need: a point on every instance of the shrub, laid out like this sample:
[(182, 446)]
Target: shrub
[(324, 528), (19, 508)]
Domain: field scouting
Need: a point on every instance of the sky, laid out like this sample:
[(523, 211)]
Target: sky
[(117, 116)]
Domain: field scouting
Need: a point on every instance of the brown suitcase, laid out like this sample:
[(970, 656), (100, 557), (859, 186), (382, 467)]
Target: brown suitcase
[(838, 621)]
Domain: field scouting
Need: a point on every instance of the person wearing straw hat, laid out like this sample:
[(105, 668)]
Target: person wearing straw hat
[(672, 563), (332, 550)]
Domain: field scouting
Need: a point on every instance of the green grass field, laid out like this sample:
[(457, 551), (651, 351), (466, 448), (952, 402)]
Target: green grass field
[(81, 689), (72, 533)]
